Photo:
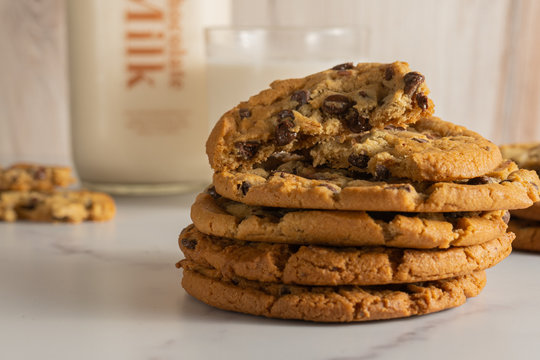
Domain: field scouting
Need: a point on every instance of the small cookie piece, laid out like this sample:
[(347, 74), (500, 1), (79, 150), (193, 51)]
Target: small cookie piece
[(527, 234), (330, 105), (26, 177), (297, 185), (322, 266), (530, 213), (526, 155), (219, 216), (329, 304), (66, 206)]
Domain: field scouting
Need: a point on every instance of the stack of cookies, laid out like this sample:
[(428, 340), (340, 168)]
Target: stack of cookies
[(30, 192), (525, 223), (339, 197)]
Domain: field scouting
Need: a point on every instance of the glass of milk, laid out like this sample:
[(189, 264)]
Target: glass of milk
[(241, 61), (138, 93)]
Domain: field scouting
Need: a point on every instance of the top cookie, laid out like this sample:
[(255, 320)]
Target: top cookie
[(526, 155), (26, 177), (334, 104)]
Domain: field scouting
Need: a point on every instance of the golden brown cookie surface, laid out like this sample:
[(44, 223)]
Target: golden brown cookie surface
[(330, 304), (218, 216), (318, 265)]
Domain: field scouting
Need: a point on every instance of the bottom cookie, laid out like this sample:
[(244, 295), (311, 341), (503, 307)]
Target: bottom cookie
[(330, 304), (527, 234)]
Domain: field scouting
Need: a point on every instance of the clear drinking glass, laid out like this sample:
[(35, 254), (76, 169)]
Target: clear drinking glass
[(241, 61)]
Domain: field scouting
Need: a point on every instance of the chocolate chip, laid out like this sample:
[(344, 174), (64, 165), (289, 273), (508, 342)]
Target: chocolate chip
[(420, 140), (213, 193), (88, 204), (355, 122), (247, 150), (393, 127), (244, 187), (506, 217), (337, 104), (389, 73), (244, 113), (284, 114), (300, 96), (235, 281), (534, 185), (412, 82), (345, 66), (284, 290), (382, 215), (382, 172), (422, 101), (189, 243), (40, 174), (363, 94), (358, 160), (398, 187), (283, 134), (330, 187), (481, 180), (30, 205)]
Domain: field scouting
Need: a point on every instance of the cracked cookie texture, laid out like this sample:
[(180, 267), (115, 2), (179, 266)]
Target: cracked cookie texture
[(329, 304), (331, 106), (319, 265), (219, 216)]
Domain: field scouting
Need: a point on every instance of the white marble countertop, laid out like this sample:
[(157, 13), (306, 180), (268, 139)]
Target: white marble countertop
[(111, 291)]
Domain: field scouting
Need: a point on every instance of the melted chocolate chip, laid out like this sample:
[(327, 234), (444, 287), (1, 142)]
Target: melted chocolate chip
[(283, 134), (412, 82), (420, 140), (337, 104), (189, 243), (244, 187), (300, 96), (284, 290), (330, 187), (382, 215), (213, 193), (481, 180), (284, 114), (359, 160), (235, 281), (506, 217), (30, 205), (382, 172), (40, 174), (422, 101), (246, 150), (244, 113), (389, 73), (355, 122), (345, 66)]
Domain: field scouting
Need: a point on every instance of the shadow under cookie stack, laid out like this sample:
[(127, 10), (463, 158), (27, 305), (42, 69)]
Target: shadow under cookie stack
[(525, 223), (339, 197)]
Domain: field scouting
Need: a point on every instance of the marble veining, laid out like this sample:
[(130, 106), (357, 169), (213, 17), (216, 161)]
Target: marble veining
[(111, 291)]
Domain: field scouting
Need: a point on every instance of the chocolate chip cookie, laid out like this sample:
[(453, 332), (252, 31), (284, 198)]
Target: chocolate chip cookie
[(295, 184), (26, 177), (65, 206), (219, 216), (329, 304), (332, 106), (527, 234), (320, 265)]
